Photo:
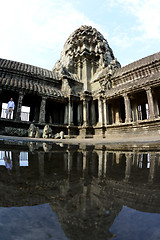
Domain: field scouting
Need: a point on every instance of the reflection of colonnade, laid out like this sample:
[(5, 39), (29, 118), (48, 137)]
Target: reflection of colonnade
[(99, 163)]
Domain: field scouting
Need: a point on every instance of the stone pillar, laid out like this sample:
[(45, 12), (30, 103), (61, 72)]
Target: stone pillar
[(84, 160), (100, 112), (18, 109), (127, 108), (80, 113), (86, 74), (135, 112), (70, 112), (93, 114), (66, 114), (105, 109), (42, 110), (117, 157), (85, 112), (150, 102), (156, 108), (117, 115), (112, 115)]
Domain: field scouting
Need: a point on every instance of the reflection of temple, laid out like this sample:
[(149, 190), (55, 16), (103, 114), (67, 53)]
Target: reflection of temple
[(87, 93), (86, 186)]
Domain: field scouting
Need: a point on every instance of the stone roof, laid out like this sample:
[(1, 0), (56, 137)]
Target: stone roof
[(29, 85), (137, 64), (28, 69)]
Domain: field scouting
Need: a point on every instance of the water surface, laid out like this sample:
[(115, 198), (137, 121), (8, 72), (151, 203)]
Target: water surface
[(56, 191)]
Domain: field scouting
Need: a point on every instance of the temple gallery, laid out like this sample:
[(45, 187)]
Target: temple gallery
[(87, 94)]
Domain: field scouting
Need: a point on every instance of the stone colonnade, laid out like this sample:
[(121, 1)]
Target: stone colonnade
[(100, 111)]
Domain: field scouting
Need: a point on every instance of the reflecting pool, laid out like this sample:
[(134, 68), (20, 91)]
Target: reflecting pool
[(56, 191)]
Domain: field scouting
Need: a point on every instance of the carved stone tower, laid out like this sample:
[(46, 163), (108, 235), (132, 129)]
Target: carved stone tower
[(85, 54)]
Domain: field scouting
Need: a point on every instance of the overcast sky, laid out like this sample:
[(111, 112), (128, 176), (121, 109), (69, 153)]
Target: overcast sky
[(34, 31)]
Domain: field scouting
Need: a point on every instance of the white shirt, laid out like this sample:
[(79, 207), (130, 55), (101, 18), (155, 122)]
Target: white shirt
[(10, 104)]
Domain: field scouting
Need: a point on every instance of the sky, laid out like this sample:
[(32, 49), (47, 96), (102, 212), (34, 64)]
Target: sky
[(35, 31)]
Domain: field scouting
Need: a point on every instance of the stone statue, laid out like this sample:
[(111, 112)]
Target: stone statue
[(59, 135), (32, 131), (38, 133), (47, 132)]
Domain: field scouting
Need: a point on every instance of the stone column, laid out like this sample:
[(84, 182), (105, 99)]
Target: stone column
[(80, 113), (42, 110), (84, 160), (70, 112), (117, 157), (100, 112), (156, 108), (135, 112), (150, 103), (18, 109), (86, 74), (117, 115), (93, 114), (66, 114), (105, 109), (85, 112), (127, 108)]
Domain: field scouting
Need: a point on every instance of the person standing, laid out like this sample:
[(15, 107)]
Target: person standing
[(10, 108)]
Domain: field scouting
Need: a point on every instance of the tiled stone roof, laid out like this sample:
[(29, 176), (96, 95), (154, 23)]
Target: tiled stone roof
[(20, 76), (28, 69), (25, 84)]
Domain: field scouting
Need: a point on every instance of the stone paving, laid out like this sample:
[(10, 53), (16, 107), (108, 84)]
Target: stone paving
[(92, 141)]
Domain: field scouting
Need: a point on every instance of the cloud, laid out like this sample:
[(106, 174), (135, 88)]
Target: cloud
[(37, 26), (146, 13)]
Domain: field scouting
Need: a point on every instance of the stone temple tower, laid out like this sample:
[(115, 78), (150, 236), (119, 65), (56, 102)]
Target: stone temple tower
[(86, 55)]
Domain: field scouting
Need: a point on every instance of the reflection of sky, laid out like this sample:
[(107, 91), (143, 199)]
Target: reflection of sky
[(30, 223), (135, 225)]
